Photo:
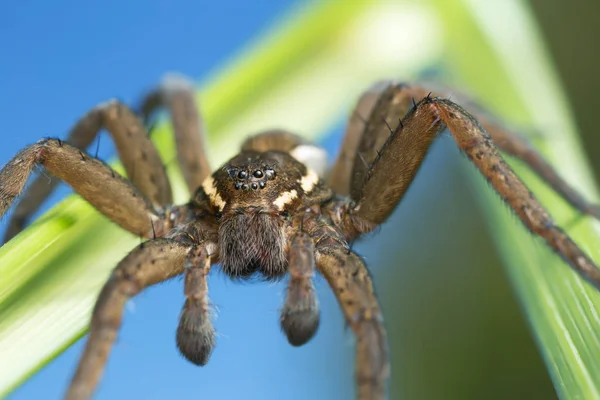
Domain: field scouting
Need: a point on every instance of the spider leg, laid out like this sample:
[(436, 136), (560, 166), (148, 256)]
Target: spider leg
[(340, 176), (107, 191), (394, 104), (349, 279), (139, 156), (300, 313), (195, 333), (519, 147), (150, 263), (391, 106), (177, 94), (404, 152)]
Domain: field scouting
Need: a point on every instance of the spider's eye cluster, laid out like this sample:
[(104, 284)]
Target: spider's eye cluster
[(252, 180)]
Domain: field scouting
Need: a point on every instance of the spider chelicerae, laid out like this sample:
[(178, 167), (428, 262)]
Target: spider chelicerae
[(271, 210)]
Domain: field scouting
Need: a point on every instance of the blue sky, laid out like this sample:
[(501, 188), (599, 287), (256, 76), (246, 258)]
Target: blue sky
[(60, 58)]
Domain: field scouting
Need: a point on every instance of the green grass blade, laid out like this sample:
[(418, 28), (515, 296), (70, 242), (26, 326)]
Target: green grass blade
[(302, 76)]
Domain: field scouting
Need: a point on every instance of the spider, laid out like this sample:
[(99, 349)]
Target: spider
[(272, 210)]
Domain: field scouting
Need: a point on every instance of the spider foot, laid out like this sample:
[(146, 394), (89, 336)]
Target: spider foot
[(195, 333), (300, 314)]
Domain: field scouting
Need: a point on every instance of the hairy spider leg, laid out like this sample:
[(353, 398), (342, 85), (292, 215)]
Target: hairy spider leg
[(517, 146), (176, 93), (96, 182), (149, 263), (393, 106), (300, 313), (195, 333), (139, 156), (340, 176), (404, 152), (349, 279), (520, 147)]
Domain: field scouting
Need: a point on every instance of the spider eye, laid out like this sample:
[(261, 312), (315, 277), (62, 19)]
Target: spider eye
[(237, 185), (270, 173), (244, 187), (262, 184), (258, 173), (242, 174), (254, 186)]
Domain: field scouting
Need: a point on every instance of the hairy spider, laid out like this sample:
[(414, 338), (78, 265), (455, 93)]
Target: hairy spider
[(271, 210)]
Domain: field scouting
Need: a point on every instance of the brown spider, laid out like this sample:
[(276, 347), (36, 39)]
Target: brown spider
[(270, 211)]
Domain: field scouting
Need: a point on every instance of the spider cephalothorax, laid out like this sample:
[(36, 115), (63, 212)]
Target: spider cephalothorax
[(272, 210), (253, 196)]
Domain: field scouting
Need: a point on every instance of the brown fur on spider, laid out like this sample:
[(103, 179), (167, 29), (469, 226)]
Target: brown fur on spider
[(271, 210)]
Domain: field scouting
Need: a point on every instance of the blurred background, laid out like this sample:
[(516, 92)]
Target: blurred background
[(455, 327)]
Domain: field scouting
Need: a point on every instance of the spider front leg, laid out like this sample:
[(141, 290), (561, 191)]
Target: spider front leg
[(404, 152), (519, 147), (150, 263), (139, 156), (107, 191), (368, 131)]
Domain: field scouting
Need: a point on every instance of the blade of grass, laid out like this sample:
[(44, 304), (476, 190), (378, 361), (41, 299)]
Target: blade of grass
[(301, 76)]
